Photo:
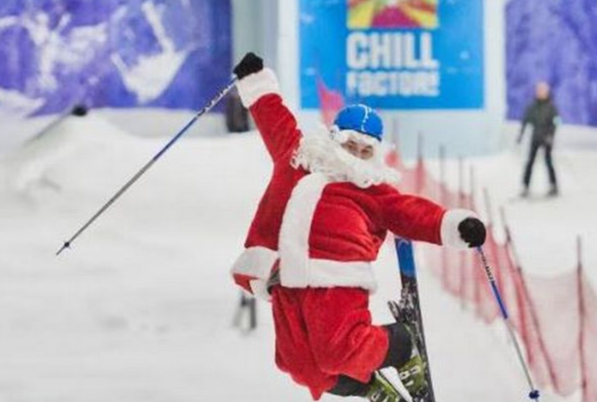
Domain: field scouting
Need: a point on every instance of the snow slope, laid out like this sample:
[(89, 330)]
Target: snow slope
[(140, 310)]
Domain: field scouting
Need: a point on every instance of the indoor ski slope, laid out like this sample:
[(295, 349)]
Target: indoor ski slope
[(140, 310)]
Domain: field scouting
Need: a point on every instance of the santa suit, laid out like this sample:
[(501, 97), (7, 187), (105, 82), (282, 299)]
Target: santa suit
[(323, 236)]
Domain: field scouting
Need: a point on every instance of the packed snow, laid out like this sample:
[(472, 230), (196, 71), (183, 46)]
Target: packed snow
[(141, 308)]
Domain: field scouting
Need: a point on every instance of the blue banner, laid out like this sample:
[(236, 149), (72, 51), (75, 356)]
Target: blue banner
[(114, 53), (555, 42), (393, 54)]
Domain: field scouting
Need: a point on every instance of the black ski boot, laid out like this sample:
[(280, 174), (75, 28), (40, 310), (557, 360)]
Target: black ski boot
[(413, 373)]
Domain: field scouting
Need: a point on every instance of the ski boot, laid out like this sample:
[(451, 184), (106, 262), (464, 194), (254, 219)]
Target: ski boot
[(413, 373), (382, 390)]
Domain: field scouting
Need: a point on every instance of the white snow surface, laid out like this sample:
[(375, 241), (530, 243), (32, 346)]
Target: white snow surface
[(141, 308)]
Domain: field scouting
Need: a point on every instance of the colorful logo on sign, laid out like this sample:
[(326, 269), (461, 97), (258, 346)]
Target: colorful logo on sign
[(392, 14)]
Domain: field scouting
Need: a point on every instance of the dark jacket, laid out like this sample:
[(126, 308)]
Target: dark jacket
[(543, 116)]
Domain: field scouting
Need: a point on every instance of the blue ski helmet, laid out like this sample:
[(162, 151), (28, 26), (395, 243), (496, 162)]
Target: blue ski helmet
[(360, 118)]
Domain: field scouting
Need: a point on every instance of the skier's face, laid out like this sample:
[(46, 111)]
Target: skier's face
[(358, 149), (542, 91)]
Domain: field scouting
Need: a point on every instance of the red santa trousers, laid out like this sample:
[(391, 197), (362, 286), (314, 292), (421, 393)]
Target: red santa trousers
[(322, 333)]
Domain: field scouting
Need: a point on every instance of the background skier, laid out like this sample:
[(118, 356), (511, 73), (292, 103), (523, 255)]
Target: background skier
[(542, 114)]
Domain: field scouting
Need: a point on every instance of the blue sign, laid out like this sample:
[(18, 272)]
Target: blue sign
[(116, 53), (393, 54)]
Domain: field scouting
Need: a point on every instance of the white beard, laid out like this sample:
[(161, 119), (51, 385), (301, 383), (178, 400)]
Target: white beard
[(321, 154)]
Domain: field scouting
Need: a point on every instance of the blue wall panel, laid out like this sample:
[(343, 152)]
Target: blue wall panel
[(113, 53)]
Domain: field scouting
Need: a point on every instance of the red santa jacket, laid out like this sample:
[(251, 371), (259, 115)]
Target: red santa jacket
[(323, 233)]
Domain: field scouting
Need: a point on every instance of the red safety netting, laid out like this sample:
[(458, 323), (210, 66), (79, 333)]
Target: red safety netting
[(588, 345), (555, 318)]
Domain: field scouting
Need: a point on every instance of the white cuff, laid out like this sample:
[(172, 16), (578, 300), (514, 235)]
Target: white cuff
[(449, 230), (255, 261), (259, 288), (254, 86)]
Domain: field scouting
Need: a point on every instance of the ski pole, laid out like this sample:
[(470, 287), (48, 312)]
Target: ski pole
[(534, 394), (149, 164)]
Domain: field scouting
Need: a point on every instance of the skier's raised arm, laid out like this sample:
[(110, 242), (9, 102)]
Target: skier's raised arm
[(259, 91)]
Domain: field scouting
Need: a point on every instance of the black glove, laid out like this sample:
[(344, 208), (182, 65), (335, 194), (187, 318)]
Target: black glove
[(472, 231), (250, 64)]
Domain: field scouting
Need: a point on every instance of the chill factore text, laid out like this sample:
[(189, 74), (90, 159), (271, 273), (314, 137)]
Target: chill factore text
[(392, 64)]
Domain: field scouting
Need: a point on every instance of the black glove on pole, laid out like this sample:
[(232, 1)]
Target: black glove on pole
[(472, 231), (250, 64)]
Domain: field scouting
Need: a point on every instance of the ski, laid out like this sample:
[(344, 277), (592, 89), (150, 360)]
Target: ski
[(408, 309)]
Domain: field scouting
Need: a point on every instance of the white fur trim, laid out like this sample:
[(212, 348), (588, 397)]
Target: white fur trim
[(296, 228), (255, 261), (449, 230), (259, 288), (341, 136), (297, 270), (254, 86), (328, 273)]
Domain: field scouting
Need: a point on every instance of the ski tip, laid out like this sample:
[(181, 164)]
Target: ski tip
[(534, 394)]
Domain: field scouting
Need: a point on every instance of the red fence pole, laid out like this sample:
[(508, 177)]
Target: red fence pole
[(444, 201), (477, 275), (499, 274), (463, 258), (581, 332), (395, 132)]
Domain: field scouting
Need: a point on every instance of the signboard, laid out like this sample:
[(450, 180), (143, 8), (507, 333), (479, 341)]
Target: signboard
[(393, 54)]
